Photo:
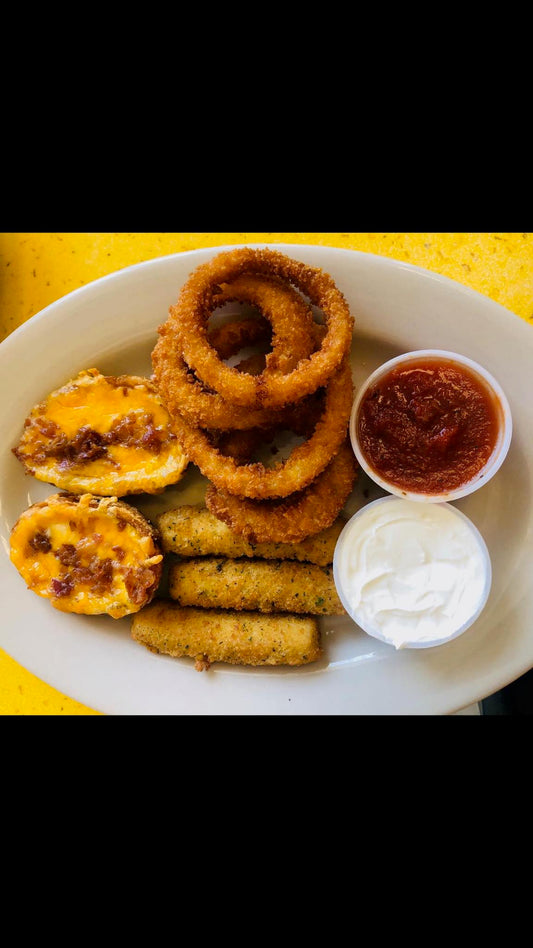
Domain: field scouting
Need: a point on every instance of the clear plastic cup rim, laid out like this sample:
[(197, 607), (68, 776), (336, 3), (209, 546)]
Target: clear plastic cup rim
[(374, 632), (493, 463)]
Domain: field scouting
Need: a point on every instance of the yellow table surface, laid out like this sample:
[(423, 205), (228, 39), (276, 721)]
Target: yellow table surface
[(37, 269)]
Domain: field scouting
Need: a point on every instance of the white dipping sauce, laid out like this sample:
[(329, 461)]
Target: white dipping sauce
[(412, 574)]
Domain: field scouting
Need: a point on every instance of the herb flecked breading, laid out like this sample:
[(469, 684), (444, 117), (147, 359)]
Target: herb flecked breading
[(194, 531), (224, 635), (266, 586)]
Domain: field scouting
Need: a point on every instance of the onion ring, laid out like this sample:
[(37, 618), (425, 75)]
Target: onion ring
[(290, 521), (229, 338), (306, 461), (294, 338), (184, 335), (291, 319)]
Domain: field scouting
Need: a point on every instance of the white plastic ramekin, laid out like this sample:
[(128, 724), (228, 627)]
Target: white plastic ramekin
[(501, 447), (349, 571)]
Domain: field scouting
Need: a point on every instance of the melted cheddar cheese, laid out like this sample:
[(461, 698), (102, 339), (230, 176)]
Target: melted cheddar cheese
[(87, 555)]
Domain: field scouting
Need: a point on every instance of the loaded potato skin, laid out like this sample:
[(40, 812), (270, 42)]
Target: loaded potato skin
[(105, 435), (88, 555)]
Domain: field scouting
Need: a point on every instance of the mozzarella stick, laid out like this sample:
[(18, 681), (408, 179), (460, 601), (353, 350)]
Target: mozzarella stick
[(194, 531), (265, 585), (219, 635)]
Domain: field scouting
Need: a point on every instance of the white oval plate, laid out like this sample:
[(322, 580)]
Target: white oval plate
[(111, 324)]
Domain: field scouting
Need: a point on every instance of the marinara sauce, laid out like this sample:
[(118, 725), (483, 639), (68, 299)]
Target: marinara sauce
[(428, 426)]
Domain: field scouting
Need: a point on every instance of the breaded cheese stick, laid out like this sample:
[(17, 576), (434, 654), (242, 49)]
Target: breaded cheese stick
[(219, 635), (265, 585), (195, 531)]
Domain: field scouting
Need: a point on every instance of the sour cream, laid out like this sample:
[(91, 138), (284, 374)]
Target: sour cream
[(413, 575)]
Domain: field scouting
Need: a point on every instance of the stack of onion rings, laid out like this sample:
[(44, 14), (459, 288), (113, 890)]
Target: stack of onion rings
[(292, 324), (306, 375)]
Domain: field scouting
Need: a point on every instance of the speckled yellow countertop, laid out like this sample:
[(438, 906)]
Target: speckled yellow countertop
[(37, 269)]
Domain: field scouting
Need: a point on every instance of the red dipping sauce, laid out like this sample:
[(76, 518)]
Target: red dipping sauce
[(428, 426)]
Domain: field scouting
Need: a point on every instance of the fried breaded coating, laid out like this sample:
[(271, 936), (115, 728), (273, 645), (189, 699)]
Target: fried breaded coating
[(268, 586), (219, 635), (195, 531), (294, 518)]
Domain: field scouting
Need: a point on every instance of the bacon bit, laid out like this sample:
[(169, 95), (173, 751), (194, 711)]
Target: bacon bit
[(102, 573), (97, 573), (84, 576), (87, 445), (119, 552), (40, 542), (67, 555), (47, 427), (201, 663), (138, 583), (62, 587), (122, 430), (136, 430)]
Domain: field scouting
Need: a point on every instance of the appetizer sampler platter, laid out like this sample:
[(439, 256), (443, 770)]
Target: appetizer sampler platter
[(112, 324)]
